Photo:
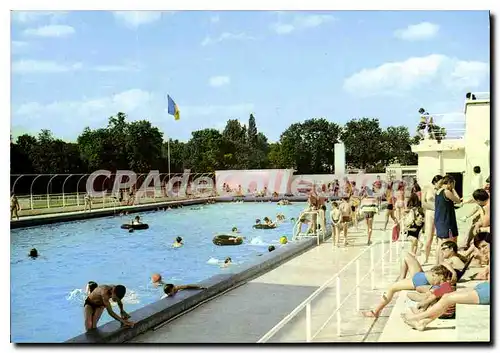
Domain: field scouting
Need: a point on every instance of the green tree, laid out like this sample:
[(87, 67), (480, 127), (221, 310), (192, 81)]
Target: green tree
[(309, 147), (363, 139), (204, 151)]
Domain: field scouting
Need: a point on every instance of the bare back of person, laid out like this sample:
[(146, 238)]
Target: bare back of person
[(345, 209)]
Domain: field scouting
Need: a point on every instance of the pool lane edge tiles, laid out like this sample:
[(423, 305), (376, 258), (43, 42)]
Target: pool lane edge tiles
[(152, 315)]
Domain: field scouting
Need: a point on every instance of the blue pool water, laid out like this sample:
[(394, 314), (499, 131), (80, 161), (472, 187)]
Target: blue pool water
[(47, 294)]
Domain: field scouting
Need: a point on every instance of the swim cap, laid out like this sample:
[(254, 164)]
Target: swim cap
[(283, 240), (155, 278)]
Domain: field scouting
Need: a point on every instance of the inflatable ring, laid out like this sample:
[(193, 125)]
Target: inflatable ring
[(135, 226), (225, 239), (263, 226)]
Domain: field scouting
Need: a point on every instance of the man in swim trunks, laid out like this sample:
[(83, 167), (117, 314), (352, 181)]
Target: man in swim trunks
[(14, 206), (99, 300), (346, 212)]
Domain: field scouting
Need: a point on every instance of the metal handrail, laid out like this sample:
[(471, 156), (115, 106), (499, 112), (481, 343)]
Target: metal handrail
[(307, 302)]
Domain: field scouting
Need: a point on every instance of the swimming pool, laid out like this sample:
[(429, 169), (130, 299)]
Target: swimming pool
[(47, 294)]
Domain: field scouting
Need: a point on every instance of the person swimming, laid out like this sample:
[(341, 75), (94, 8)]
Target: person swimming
[(170, 290), (227, 262), (136, 221), (257, 221), (271, 248), (268, 222), (178, 242), (283, 240), (33, 253), (156, 279), (234, 230)]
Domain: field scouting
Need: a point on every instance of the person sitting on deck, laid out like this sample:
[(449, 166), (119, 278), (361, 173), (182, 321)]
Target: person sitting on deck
[(99, 299), (170, 290), (480, 294), (436, 276)]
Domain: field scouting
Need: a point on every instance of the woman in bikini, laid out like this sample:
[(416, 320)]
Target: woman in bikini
[(437, 275), (390, 206), (428, 203), (400, 201)]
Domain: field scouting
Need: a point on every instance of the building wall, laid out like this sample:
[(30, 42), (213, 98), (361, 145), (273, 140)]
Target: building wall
[(429, 164), (477, 132)]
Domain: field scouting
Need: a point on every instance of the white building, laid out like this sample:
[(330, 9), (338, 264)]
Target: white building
[(466, 145)]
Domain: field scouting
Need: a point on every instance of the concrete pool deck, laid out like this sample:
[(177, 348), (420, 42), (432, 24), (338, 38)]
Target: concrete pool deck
[(246, 313)]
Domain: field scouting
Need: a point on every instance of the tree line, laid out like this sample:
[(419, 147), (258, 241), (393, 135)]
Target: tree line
[(307, 147)]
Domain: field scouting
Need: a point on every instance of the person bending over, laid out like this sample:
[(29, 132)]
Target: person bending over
[(99, 299)]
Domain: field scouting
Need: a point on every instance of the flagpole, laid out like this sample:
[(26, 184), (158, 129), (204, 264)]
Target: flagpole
[(168, 156)]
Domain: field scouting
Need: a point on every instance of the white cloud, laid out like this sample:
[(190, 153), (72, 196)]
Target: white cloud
[(435, 69), (301, 22), (226, 36), (51, 31), (135, 19), (35, 16), (215, 19), (421, 31), (39, 66), (218, 81), (89, 109), (67, 119)]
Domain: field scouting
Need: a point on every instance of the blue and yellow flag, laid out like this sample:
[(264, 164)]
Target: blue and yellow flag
[(173, 109)]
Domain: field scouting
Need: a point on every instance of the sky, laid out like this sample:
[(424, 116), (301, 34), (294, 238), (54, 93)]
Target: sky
[(70, 70)]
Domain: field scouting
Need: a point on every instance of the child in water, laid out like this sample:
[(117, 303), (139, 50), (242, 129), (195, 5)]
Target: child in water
[(178, 243), (170, 290), (99, 299), (227, 262), (136, 221)]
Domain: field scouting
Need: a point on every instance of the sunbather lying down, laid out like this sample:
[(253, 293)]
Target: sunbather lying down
[(436, 276), (480, 294)]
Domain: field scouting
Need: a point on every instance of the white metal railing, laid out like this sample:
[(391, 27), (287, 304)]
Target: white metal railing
[(306, 304), (452, 126), (320, 219)]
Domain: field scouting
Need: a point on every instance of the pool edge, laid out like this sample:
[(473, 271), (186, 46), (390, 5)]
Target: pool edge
[(152, 315)]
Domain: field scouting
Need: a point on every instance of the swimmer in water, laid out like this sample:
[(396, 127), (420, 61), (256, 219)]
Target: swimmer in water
[(99, 299), (269, 222), (33, 253), (257, 221), (157, 280), (136, 221), (227, 262), (170, 290), (269, 249), (178, 242), (234, 230)]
